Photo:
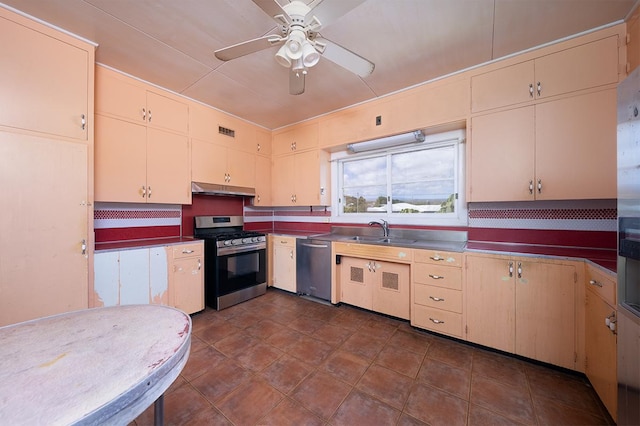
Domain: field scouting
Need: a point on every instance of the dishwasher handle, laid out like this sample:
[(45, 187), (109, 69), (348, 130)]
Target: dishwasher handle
[(312, 245)]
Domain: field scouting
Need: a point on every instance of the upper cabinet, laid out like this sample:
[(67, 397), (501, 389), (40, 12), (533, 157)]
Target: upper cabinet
[(581, 67), (123, 97), (45, 81), (296, 139), (141, 143)]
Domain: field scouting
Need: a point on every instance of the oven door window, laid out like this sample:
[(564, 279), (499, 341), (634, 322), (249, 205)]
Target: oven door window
[(241, 270)]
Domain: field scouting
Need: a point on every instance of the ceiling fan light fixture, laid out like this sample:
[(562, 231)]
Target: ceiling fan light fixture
[(310, 56), (295, 43), (282, 58)]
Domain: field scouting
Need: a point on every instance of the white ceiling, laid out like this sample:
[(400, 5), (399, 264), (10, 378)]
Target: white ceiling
[(170, 43)]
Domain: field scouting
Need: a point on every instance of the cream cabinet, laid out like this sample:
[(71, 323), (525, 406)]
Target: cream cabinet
[(375, 285), (186, 276), (46, 160), (299, 138), (436, 292), (136, 163), (601, 338), (135, 276), (284, 262), (523, 306), (263, 142), (213, 163), (576, 68), (47, 79), (301, 179), (558, 150), (263, 181)]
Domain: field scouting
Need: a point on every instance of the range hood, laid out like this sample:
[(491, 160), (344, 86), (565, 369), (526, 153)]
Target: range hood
[(216, 189)]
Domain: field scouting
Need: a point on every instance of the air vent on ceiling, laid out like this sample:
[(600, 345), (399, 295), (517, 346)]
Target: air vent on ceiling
[(226, 132)]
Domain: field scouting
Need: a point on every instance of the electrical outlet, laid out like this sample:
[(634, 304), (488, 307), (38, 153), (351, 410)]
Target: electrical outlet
[(378, 120)]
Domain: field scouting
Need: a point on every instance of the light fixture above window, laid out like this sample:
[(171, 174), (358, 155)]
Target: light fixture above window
[(388, 142)]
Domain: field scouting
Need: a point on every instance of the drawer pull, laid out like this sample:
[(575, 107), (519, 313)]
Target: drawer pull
[(187, 251), (436, 258), (436, 299), (436, 321), (595, 283), (436, 277)]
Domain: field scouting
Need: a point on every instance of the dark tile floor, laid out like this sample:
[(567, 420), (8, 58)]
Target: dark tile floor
[(282, 360)]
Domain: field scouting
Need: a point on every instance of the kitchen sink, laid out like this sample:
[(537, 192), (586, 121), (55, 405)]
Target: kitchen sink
[(366, 239), (396, 241), (385, 240)]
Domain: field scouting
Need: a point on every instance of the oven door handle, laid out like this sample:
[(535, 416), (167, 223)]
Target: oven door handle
[(241, 249)]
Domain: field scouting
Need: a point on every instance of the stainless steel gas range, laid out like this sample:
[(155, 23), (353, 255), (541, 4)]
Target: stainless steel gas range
[(235, 266)]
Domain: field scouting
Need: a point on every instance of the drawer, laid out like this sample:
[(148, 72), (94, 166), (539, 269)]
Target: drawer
[(187, 250), (437, 275), (437, 257), (279, 240), (437, 320), (602, 284), (438, 297)]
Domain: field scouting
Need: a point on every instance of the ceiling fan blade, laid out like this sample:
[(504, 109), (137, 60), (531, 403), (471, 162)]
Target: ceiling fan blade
[(328, 11), (246, 47), (272, 8), (345, 58), (296, 83)]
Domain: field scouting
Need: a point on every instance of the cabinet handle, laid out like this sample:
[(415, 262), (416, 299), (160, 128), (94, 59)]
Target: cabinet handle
[(259, 147), (436, 299), (610, 322), (258, 198), (144, 191), (436, 258), (187, 251), (149, 116), (539, 88), (519, 270), (199, 264), (530, 187), (84, 121), (83, 247), (511, 269), (436, 321), (436, 277), (144, 114), (531, 90), (149, 192), (539, 186), (595, 283), (291, 254)]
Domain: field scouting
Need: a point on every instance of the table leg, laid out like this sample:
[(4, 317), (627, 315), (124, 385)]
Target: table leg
[(158, 411)]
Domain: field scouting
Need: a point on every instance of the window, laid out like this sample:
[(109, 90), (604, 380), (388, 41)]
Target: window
[(422, 182)]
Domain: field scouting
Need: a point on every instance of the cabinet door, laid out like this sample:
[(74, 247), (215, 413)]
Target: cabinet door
[(120, 96), (120, 160), (188, 285), (106, 282), (502, 87), (158, 276), (299, 138), (502, 153), (576, 147), (589, 65), (545, 312), (134, 277), (168, 172), (263, 181), (490, 295), (284, 264), (355, 282), (601, 352), (44, 82), (208, 162), (241, 168), (167, 113), (263, 142), (43, 192), (283, 180), (391, 294)]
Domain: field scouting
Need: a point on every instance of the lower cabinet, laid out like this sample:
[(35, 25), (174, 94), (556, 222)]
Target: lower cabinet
[(524, 306), (284, 262), (601, 338), (186, 278), (168, 275), (437, 292), (375, 285)]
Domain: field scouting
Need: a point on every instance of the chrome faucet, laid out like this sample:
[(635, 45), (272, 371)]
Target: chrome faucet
[(382, 224)]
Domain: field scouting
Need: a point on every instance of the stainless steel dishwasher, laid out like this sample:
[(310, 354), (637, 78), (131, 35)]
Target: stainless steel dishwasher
[(313, 268)]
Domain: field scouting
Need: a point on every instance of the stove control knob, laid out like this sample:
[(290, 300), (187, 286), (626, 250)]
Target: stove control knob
[(246, 240), (255, 239), (228, 242)]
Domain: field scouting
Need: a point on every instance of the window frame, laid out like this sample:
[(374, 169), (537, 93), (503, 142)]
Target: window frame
[(458, 218)]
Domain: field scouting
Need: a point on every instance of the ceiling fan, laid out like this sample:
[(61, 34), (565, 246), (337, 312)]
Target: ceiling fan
[(301, 43)]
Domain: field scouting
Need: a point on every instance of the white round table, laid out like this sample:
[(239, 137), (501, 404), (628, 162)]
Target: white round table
[(95, 366)]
